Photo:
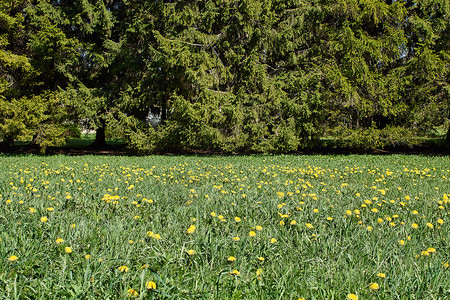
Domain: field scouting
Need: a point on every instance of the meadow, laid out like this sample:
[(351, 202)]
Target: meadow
[(224, 227)]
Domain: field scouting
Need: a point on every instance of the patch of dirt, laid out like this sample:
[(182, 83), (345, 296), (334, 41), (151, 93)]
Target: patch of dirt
[(121, 150)]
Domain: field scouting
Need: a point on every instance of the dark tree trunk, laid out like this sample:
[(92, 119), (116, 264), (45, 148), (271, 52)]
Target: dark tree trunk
[(100, 138)]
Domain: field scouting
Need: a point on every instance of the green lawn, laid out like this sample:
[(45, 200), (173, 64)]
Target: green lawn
[(244, 227)]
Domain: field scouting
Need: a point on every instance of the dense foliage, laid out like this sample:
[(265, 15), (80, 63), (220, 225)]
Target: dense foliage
[(252, 76)]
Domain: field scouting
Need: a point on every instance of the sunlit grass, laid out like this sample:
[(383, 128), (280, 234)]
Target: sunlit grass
[(250, 227)]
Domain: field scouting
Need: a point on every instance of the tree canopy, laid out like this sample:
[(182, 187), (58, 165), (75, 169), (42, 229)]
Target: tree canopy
[(247, 76)]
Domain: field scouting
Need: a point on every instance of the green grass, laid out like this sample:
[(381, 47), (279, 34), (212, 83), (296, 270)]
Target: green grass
[(114, 208)]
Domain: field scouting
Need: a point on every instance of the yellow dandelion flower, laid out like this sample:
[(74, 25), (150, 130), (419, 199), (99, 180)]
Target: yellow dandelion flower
[(356, 211), (156, 236), (149, 234), (236, 239), (124, 269), (150, 285), (237, 219), (315, 210), (369, 228), (68, 250), (87, 256), (261, 259), (50, 209), (440, 221), (415, 212), (12, 258), (348, 212), (132, 293), (380, 220), (59, 241), (231, 258), (415, 225), (259, 228), (32, 210), (44, 219), (191, 229), (425, 253), (293, 222), (273, 240), (252, 233), (145, 266), (401, 242), (235, 272), (73, 226), (429, 225), (281, 223), (352, 297), (374, 286), (329, 219), (431, 250), (407, 198), (309, 226), (191, 252), (381, 275)]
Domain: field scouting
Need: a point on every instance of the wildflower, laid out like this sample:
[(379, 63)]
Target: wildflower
[(235, 272), (59, 241), (44, 219), (415, 226), (68, 250), (32, 210), (440, 221), (231, 259), (191, 252), (315, 210), (273, 240), (156, 236), (261, 259), (237, 219), (309, 226), (259, 228), (145, 266), (213, 214), (87, 256), (149, 234), (381, 275), (281, 223), (12, 258), (374, 286), (425, 253), (375, 210), (348, 212), (369, 228), (50, 209), (252, 233), (401, 242), (380, 220), (124, 269), (415, 212), (293, 222), (352, 297), (430, 225), (73, 226), (431, 250), (191, 229), (150, 285), (236, 239), (329, 219), (132, 293)]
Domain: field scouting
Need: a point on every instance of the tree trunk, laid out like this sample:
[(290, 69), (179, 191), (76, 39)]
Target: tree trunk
[(100, 138)]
